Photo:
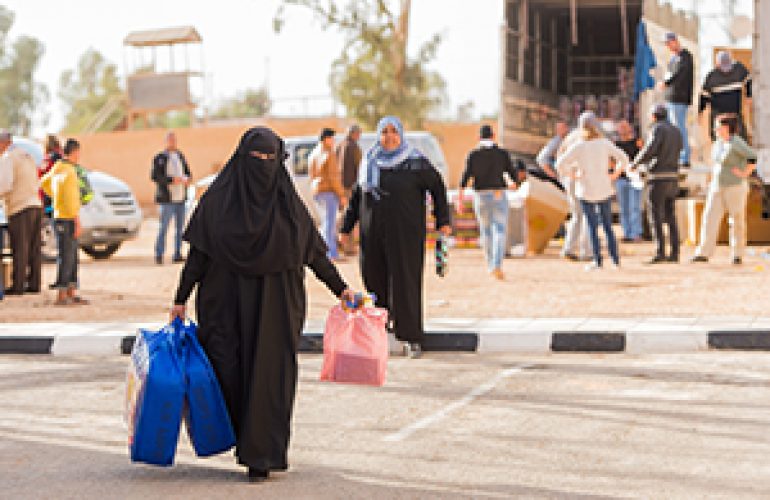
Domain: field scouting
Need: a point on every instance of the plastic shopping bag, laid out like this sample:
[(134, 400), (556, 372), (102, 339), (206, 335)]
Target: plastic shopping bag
[(208, 422), (355, 346), (155, 393)]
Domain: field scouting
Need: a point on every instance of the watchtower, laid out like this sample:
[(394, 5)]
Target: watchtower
[(159, 73)]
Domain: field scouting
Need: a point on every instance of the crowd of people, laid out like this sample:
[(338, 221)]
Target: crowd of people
[(592, 170), (56, 189)]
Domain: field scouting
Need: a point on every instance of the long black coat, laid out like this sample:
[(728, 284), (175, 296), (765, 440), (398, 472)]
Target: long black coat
[(393, 230)]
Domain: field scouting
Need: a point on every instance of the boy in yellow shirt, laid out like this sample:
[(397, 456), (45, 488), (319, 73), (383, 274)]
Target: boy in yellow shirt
[(62, 185)]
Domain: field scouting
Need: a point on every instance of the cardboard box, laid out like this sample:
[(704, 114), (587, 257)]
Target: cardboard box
[(545, 209), (757, 228)]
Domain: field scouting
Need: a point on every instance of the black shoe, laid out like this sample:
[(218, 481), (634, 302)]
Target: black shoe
[(31, 290), (737, 261), (572, 257), (658, 259), (159, 261), (626, 240), (178, 259), (13, 291), (258, 475), (674, 259), (699, 258)]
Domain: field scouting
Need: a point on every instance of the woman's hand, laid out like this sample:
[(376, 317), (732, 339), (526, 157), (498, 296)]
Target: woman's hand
[(347, 296), (446, 230), (178, 311)]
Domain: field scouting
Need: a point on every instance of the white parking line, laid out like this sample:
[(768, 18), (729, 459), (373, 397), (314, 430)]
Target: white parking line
[(441, 414)]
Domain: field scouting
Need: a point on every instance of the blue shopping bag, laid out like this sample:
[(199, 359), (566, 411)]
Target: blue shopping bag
[(155, 393), (208, 422)]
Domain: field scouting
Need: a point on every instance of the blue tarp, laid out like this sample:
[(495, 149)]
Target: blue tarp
[(644, 61)]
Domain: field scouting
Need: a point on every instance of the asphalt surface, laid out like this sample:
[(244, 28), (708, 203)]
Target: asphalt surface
[(446, 426)]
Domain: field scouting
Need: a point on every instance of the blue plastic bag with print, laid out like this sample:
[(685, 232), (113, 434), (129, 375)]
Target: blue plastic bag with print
[(155, 394), (207, 419)]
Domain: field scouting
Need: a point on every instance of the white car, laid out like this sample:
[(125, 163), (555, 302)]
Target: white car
[(299, 149), (110, 218)]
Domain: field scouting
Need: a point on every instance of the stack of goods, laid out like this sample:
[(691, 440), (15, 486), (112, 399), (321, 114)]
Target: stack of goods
[(614, 107), (465, 228)]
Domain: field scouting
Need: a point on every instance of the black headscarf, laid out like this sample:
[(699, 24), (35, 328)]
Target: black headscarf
[(251, 218)]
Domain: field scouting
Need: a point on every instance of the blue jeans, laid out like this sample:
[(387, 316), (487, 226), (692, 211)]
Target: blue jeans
[(492, 214), (600, 213), (630, 201), (167, 212), (677, 113), (329, 204), (67, 259)]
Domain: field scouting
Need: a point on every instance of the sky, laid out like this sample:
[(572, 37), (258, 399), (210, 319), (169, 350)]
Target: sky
[(240, 49)]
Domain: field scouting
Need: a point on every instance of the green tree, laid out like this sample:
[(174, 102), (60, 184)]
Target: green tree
[(21, 98), (92, 88), (374, 76), (247, 104)]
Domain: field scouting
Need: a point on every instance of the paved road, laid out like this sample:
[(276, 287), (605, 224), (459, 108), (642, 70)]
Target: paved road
[(447, 426)]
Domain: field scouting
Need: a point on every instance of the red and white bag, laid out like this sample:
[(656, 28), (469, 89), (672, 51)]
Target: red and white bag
[(355, 346)]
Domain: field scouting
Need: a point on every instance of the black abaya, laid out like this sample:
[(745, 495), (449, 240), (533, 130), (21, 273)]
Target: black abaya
[(392, 228), (249, 328), (250, 240)]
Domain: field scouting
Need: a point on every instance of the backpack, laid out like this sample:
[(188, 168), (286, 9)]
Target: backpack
[(86, 191)]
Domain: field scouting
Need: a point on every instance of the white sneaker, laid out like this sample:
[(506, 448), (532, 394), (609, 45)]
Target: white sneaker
[(593, 266), (614, 267)]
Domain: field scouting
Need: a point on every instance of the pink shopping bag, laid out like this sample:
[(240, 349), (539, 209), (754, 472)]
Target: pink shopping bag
[(355, 346)]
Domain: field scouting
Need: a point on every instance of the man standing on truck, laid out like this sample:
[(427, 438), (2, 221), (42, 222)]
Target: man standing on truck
[(677, 86), (660, 154), (723, 90), (171, 175)]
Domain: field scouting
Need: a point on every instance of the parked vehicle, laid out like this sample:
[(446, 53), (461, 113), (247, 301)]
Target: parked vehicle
[(299, 149), (110, 218)]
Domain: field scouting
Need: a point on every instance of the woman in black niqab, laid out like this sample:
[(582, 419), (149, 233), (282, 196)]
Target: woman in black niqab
[(250, 239)]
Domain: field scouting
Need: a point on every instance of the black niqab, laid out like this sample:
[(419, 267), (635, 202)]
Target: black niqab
[(251, 218)]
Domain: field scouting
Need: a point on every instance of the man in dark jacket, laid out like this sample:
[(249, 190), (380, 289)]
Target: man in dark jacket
[(678, 88), (171, 175), (723, 90), (661, 155), (487, 166)]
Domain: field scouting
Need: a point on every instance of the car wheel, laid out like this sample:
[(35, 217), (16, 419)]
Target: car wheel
[(101, 251), (48, 239)]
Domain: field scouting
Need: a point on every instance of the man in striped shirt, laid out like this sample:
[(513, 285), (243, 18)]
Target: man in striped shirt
[(723, 90)]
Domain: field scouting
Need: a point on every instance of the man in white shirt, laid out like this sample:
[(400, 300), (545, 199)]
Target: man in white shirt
[(171, 175), (19, 191)]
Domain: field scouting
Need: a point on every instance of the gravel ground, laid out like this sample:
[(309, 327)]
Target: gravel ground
[(130, 286), (445, 426)]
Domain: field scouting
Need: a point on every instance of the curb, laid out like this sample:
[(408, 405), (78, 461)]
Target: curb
[(675, 340)]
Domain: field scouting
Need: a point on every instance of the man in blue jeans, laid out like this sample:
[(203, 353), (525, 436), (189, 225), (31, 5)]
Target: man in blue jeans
[(487, 166), (677, 86), (171, 175)]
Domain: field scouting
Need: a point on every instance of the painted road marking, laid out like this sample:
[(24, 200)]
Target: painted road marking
[(441, 414)]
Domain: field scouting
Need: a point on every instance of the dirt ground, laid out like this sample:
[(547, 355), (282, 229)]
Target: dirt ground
[(130, 287)]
